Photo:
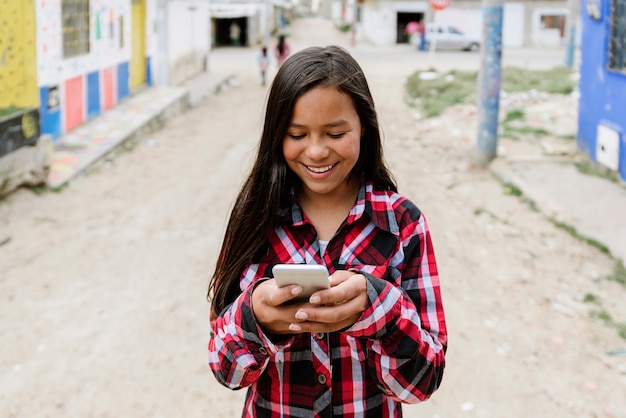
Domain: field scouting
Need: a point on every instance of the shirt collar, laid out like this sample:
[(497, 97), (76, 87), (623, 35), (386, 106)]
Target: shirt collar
[(378, 205)]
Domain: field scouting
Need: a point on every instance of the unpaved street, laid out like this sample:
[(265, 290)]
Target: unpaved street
[(103, 310)]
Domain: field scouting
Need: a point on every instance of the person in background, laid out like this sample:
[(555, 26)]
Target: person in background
[(282, 50), (235, 34), (319, 192), (264, 62), (421, 30)]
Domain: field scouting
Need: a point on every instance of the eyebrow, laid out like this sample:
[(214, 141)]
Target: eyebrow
[(334, 124)]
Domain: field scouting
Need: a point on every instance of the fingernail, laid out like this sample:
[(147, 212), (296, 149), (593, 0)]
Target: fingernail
[(296, 290), (294, 327), (315, 299), (301, 315)]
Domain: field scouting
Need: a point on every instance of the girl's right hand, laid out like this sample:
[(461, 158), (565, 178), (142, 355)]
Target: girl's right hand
[(270, 309)]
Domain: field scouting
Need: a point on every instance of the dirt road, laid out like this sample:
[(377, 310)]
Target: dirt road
[(103, 285)]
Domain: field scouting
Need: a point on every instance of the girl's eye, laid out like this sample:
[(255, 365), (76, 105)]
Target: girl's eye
[(336, 136), (294, 136)]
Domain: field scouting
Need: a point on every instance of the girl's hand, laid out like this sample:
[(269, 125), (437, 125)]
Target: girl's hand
[(333, 309), (270, 308)]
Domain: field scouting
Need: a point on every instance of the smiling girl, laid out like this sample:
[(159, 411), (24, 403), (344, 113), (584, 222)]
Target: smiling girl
[(320, 193)]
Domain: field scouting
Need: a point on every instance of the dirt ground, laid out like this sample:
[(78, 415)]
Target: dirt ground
[(103, 284)]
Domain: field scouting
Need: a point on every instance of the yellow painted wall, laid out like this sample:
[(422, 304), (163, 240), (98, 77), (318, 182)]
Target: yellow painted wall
[(18, 59), (138, 54)]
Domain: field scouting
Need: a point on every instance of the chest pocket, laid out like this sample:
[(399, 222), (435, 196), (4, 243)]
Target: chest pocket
[(376, 257)]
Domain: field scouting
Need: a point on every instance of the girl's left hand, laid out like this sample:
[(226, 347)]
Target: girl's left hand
[(336, 308)]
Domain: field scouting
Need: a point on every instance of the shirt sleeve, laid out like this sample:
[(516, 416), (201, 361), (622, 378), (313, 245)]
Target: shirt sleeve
[(404, 325), (239, 350)]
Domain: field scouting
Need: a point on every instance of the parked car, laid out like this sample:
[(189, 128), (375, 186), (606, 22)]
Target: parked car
[(441, 36)]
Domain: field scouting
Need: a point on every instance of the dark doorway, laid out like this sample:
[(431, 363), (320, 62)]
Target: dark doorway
[(222, 31), (403, 19)]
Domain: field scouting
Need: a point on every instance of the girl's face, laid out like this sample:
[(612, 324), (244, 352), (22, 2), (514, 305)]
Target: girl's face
[(322, 143)]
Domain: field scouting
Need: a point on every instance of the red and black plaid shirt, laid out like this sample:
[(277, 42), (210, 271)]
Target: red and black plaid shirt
[(394, 353)]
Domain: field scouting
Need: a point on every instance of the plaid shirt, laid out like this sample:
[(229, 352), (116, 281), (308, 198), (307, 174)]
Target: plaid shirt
[(394, 353)]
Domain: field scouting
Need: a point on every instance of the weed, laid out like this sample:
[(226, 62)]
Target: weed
[(594, 169), (619, 273), (446, 90), (515, 114), (512, 189), (591, 298)]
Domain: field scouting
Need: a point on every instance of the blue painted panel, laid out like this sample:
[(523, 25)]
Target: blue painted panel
[(93, 94), (148, 72), (50, 111), (123, 80)]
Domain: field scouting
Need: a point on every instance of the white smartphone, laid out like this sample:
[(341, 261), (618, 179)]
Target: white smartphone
[(311, 277)]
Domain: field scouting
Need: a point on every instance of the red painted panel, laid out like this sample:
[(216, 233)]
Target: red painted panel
[(74, 103), (108, 89)]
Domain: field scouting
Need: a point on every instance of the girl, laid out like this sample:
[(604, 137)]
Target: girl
[(319, 193), (282, 50), (264, 62)]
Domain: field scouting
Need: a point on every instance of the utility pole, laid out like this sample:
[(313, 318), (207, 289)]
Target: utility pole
[(489, 82), (572, 22)]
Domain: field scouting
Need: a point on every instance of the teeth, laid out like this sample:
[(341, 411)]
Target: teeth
[(319, 169)]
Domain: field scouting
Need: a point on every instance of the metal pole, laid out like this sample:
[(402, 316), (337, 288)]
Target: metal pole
[(572, 22), (489, 82)]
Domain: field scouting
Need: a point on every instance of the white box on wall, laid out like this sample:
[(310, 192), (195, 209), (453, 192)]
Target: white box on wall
[(607, 147)]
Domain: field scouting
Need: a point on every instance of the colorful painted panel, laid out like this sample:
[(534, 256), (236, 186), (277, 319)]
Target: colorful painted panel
[(93, 94), (50, 111), (74, 108), (122, 81), (108, 89)]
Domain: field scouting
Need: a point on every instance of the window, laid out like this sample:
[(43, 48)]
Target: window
[(75, 20), (617, 41)]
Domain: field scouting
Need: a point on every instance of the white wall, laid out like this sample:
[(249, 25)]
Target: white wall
[(188, 40)]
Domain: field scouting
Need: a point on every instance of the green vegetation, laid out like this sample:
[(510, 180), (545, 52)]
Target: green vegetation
[(592, 168), (619, 273), (437, 92)]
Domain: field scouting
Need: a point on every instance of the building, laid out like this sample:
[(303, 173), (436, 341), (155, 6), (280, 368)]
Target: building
[(527, 23), (602, 103), (63, 62)]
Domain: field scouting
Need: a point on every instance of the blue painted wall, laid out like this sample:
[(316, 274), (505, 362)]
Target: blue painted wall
[(93, 94), (49, 117), (123, 80), (602, 91)]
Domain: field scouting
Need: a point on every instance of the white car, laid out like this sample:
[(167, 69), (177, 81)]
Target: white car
[(441, 36)]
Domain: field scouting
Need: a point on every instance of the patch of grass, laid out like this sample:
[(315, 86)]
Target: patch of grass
[(515, 114), (556, 80), (573, 232), (591, 298), (619, 273), (592, 168), (434, 95), (512, 189), (437, 94), (344, 27), (605, 317)]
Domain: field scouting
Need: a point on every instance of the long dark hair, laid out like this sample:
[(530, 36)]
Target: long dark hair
[(266, 190)]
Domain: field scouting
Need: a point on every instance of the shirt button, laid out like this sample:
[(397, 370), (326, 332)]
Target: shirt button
[(319, 335), (263, 351), (322, 379)]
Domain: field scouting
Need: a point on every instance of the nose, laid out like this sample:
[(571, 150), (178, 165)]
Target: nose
[(317, 149)]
